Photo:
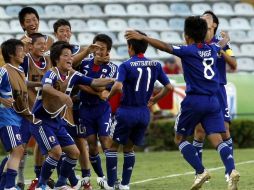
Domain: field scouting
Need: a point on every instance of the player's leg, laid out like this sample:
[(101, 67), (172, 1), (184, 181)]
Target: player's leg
[(199, 138), (72, 155), (11, 139)]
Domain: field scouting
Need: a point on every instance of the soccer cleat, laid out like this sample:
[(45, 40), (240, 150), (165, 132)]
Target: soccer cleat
[(33, 184), (21, 186), (64, 187), (233, 180), (227, 177), (124, 187), (42, 187), (200, 179), (101, 181)]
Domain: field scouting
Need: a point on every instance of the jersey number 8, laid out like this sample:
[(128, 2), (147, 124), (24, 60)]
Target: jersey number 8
[(208, 71)]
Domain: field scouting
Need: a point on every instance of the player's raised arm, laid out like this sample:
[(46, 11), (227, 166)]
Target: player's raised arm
[(225, 39), (102, 82), (153, 42)]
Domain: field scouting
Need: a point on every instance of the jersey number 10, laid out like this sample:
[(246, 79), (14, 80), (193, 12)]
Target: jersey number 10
[(140, 76)]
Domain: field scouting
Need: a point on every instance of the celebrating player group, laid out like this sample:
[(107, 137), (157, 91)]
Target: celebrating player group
[(58, 93)]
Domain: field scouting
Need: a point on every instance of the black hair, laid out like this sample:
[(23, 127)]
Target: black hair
[(56, 50), (105, 39), (61, 22), (35, 36), (215, 19), (139, 46), (9, 48), (195, 28), (27, 10)]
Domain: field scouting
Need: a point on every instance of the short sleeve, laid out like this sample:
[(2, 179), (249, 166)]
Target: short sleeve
[(50, 78), (3, 76), (179, 51), (82, 79), (121, 73), (162, 77)]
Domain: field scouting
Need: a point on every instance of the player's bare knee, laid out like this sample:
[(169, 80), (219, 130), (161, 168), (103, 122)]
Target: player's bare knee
[(128, 148), (74, 153), (18, 151), (178, 139), (55, 153)]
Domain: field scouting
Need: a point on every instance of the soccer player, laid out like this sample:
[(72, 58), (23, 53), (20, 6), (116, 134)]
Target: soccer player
[(13, 105), (95, 110), (135, 78), (53, 106), (35, 66), (226, 57), (200, 105), (29, 21)]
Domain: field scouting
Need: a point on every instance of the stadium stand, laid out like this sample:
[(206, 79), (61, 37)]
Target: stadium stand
[(158, 18)]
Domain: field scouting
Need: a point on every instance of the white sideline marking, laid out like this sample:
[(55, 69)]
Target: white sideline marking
[(188, 173)]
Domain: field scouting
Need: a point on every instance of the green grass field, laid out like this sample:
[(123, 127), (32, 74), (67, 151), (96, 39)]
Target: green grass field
[(169, 171)]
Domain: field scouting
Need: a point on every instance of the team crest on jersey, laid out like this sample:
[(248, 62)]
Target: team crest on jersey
[(52, 139), (18, 137)]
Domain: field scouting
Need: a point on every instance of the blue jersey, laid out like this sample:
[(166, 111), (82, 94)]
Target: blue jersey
[(8, 117), (51, 78), (221, 63), (89, 69), (199, 67), (138, 75)]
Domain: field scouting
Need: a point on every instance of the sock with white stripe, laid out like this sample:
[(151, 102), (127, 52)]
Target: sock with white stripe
[(226, 157), (198, 145), (2, 165), (58, 168), (47, 169), (10, 178), (67, 168), (111, 164), (191, 156), (229, 142), (96, 163), (86, 173), (128, 165), (22, 164)]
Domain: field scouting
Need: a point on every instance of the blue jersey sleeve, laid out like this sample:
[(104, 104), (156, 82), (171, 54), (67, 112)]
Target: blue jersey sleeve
[(50, 78), (82, 79), (180, 51), (162, 77), (121, 74)]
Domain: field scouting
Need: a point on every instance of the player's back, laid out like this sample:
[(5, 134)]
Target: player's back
[(138, 75)]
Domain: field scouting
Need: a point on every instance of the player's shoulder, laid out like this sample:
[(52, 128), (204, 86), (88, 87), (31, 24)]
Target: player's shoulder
[(75, 49), (112, 66), (3, 71), (87, 61), (51, 74)]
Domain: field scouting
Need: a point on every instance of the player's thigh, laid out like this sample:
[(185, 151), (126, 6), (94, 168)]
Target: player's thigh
[(45, 137), (10, 137), (88, 123), (222, 98), (25, 131), (103, 122), (122, 126)]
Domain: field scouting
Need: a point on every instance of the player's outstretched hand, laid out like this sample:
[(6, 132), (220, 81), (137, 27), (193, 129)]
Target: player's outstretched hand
[(26, 40), (225, 35), (7, 102), (93, 48), (69, 102), (151, 102), (131, 34)]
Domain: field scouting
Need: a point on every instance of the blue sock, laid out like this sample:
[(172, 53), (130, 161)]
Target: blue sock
[(10, 178), (37, 171), (2, 165), (67, 166), (199, 148), (58, 168), (226, 157), (3, 180), (128, 164), (190, 155), (86, 173), (72, 178), (111, 164), (47, 169), (229, 142), (96, 163)]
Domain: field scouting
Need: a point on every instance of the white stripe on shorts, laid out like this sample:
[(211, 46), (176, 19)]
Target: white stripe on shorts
[(44, 138), (11, 136)]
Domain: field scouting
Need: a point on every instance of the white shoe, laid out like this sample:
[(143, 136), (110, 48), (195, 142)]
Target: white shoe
[(227, 177), (124, 187), (200, 179), (233, 180), (101, 181)]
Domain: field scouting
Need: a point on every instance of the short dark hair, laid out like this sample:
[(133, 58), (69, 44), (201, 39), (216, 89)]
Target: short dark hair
[(35, 36), (105, 39), (9, 48), (215, 19), (195, 28), (56, 50), (27, 10), (139, 46), (61, 22)]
